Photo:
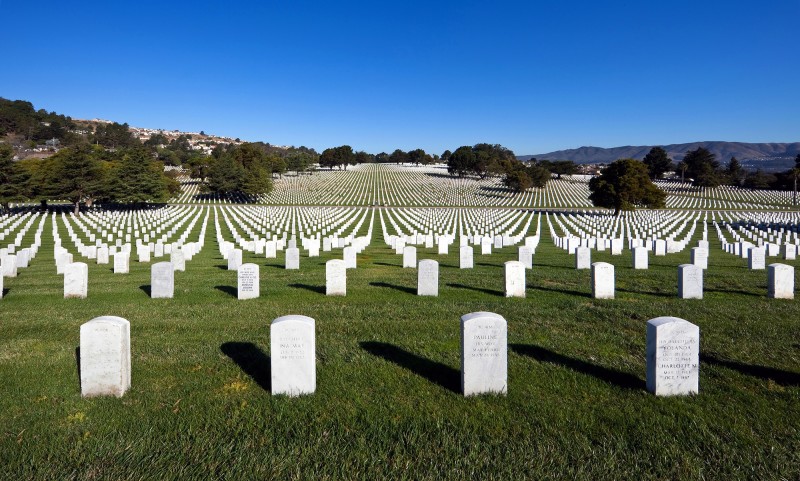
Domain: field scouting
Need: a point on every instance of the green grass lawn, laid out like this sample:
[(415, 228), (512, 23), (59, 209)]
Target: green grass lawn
[(388, 404)]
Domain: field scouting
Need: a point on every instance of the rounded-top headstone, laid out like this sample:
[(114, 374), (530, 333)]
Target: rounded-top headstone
[(484, 353), (292, 355), (105, 356), (673, 356)]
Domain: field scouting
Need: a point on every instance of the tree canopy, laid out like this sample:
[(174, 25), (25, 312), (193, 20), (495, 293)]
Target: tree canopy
[(340, 157), (245, 169), (657, 162), (623, 185), (481, 160), (702, 167)]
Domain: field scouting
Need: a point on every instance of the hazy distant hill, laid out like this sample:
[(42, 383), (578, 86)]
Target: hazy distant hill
[(776, 156)]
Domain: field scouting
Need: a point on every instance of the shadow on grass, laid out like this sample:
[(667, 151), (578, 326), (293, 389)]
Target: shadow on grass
[(5, 292), (147, 289), (433, 371), (619, 378), (308, 287), (486, 264), (78, 364), (387, 264), (650, 293), (230, 290), (784, 378), (478, 289), (740, 292), (252, 362), (553, 266), (560, 291), (409, 290), (224, 267)]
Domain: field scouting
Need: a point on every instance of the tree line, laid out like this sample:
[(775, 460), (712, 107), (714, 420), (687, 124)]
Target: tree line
[(701, 168), (85, 174)]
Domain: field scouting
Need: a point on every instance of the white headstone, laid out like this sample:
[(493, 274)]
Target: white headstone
[(335, 278), (178, 260), (121, 263), (234, 259), (292, 355), (443, 246), (690, 281), (756, 258), (484, 354), (780, 281), (465, 258), (350, 261), (162, 280), (515, 279), (660, 247), (292, 260), (603, 280), (102, 255), (583, 258), (9, 265), (76, 280), (248, 282), (105, 356), (410, 257), (526, 256), (673, 357), (271, 249), (700, 257), (640, 257), (428, 278), (61, 262)]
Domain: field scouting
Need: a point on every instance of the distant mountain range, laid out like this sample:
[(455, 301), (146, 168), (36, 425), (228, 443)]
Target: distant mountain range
[(769, 157)]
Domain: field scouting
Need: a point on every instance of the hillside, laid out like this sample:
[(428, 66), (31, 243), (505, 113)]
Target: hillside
[(767, 156)]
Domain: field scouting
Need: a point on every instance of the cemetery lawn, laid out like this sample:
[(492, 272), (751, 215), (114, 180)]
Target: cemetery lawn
[(388, 402)]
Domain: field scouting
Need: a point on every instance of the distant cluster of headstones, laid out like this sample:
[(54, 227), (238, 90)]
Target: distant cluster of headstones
[(672, 356)]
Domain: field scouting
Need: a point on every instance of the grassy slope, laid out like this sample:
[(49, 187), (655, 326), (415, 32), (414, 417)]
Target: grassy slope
[(387, 403)]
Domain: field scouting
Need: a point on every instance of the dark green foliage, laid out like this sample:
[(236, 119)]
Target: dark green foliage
[(520, 177), (13, 178), (300, 161), (461, 162), (78, 176), (623, 185), (759, 180), (703, 168), (138, 178), (246, 168), (735, 172), (363, 157), (339, 157), (657, 162), (481, 160), (19, 117), (114, 136), (398, 157), (558, 167), (418, 156)]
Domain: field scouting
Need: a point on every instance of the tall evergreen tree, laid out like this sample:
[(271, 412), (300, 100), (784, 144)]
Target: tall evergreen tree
[(702, 167), (623, 185), (657, 162)]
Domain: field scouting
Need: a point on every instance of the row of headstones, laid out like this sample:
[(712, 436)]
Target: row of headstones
[(672, 353), (12, 260), (247, 222), (780, 283)]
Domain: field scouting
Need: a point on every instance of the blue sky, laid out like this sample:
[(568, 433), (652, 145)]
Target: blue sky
[(532, 76)]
